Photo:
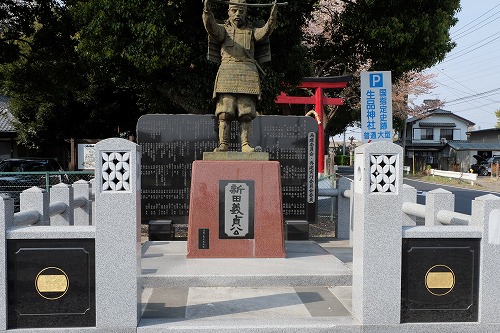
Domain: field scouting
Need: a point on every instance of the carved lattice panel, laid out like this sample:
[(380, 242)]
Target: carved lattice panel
[(383, 173), (115, 171)]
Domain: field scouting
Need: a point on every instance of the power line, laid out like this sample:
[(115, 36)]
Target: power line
[(482, 96), (475, 95), (460, 93), (478, 42), (457, 34), (490, 111), (455, 91), (475, 99), (469, 31), (475, 75), (459, 65), (474, 20), (458, 82), (461, 55)]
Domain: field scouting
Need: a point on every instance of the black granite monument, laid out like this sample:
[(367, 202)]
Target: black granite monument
[(170, 143)]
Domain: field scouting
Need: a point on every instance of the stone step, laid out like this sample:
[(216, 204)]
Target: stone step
[(164, 264), (272, 325), (308, 291), (243, 309), (303, 325)]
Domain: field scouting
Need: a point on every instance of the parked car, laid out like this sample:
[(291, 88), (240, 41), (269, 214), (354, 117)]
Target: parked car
[(478, 167), (13, 180), (483, 166)]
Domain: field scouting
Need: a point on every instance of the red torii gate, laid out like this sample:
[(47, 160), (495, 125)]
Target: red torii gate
[(319, 99)]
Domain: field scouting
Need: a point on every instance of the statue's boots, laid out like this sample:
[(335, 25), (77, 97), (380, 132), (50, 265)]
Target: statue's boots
[(246, 132), (224, 135)]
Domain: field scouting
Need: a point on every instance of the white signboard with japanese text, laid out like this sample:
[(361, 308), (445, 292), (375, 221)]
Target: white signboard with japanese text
[(311, 167), (86, 156), (376, 106)]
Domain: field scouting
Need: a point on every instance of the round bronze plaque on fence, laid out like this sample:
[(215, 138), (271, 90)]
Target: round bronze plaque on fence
[(52, 283), (440, 280)]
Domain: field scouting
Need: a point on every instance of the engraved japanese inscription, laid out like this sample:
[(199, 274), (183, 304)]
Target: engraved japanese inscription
[(236, 209)]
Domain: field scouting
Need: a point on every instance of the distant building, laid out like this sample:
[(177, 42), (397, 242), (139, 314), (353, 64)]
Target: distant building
[(485, 142), (429, 136), (8, 133)]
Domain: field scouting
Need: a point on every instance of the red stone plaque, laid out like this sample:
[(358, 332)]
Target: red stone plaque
[(235, 206)]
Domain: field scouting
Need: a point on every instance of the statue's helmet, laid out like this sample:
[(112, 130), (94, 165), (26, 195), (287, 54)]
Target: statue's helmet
[(235, 3)]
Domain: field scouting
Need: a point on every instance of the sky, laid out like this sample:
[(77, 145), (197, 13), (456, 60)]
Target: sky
[(468, 79)]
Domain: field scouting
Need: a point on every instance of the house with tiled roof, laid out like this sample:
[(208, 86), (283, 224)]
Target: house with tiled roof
[(429, 138), (7, 130)]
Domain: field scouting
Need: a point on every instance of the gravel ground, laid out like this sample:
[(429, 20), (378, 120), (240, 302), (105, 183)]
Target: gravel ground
[(489, 184)]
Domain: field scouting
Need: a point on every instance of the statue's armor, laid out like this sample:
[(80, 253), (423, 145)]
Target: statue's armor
[(238, 71), (239, 47)]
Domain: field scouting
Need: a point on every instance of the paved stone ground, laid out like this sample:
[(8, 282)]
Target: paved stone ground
[(309, 283)]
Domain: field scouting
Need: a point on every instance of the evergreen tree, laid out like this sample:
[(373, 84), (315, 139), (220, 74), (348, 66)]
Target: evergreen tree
[(90, 69)]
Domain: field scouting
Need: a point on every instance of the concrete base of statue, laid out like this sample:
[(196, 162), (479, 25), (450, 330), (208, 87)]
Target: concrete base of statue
[(235, 210)]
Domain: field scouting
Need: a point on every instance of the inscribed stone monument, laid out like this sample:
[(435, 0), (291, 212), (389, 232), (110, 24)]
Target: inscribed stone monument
[(170, 144)]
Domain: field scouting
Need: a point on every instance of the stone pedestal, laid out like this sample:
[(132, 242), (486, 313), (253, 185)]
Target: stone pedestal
[(235, 210), (377, 220)]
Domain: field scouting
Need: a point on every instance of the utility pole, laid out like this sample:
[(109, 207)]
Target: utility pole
[(343, 147)]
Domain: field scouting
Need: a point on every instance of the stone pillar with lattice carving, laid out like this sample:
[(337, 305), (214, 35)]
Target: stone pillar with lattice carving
[(117, 222), (377, 223)]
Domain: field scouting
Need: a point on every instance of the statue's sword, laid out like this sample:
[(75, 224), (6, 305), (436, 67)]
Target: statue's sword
[(251, 4)]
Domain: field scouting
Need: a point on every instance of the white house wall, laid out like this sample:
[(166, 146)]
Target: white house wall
[(459, 132)]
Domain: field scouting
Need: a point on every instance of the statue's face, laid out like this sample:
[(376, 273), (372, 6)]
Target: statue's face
[(237, 15)]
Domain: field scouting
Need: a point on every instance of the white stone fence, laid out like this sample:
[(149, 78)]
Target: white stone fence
[(65, 205), (343, 193), (472, 177), (98, 221), (386, 290), (431, 211), (437, 198)]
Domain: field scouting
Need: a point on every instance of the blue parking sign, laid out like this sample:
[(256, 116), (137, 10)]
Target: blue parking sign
[(376, 106), (376, 80)]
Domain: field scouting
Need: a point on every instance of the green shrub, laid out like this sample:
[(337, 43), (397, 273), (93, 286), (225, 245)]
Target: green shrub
[(342, 159)]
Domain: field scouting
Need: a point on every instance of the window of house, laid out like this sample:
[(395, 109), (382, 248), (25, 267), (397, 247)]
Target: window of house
[(446, 134), (426, 134)]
